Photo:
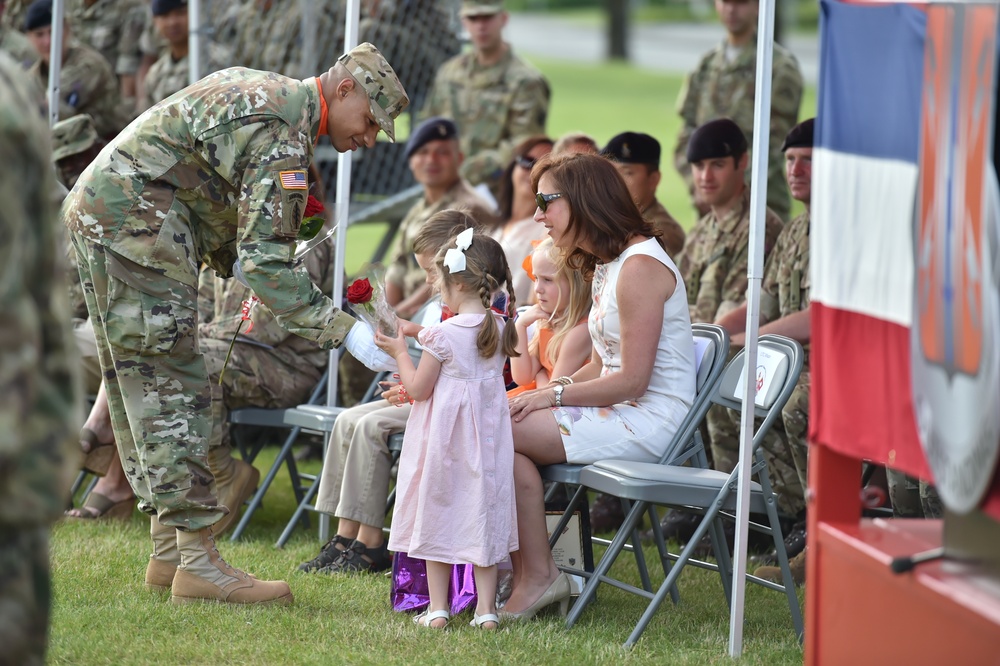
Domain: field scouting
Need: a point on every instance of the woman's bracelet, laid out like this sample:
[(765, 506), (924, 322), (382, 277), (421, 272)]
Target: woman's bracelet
[(565, 381)]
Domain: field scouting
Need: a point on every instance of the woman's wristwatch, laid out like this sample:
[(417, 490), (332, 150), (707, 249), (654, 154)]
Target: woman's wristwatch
[(558, 390)]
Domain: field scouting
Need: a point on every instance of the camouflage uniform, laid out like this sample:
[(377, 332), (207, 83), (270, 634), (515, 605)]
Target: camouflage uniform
[(415, 36), (269, 367), (714, 267), (673, 232), (404, 270), (112, 28), (714, 260), (784, 291), (269, 39), (210, 176), (168, 76), (495, 108), (719, 88), (87, 85), (16, 45), (40, 401), (13, 14)]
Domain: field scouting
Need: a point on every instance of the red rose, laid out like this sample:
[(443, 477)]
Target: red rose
[(313, 207), (360, 291)]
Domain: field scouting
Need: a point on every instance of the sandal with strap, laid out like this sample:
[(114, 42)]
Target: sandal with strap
[(358, 558), (479, 620), (332, 551), (97, 454), (425, 619), (98, 506)]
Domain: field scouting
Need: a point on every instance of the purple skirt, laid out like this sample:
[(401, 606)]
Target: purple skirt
[(409, 585)]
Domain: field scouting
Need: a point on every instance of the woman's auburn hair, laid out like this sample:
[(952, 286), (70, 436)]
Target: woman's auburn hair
[(603, 217)]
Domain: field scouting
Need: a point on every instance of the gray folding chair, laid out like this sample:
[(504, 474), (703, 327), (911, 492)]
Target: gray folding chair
[(704, 491), (711, 351)]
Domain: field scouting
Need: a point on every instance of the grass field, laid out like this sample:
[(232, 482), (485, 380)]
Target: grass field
[(603, 100), (102, 614)]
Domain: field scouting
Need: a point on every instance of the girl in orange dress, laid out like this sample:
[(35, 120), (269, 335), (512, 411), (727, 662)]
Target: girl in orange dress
[(561, 344)]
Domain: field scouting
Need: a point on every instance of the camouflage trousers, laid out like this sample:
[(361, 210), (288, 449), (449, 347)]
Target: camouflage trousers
[(912, 497), (785, 448), (157, 382), (254, 377), (25, 594)]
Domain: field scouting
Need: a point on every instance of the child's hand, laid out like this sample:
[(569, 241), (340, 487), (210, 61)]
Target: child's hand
[(531, 315), (410, 329), (391, 346)]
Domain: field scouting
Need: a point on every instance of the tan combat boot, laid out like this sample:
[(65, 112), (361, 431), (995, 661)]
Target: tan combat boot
[(204, 576), (235, 481), (797, 566), (165, 558)]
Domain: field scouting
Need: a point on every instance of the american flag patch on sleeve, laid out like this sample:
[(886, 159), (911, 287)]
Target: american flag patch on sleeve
[(293, 180)]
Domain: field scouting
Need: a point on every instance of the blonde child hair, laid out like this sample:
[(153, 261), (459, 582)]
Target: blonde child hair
[(486, 271), (577, 306)]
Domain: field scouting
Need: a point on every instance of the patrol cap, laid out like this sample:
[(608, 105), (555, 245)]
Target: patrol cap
[(800, 136), (73, 135), (633, 148), (39, 15), (480, 7), (161, 7), (432, 129), (385, 92), (716, 138)]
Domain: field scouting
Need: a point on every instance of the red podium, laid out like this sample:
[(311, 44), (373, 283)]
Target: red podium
[(859, 612)]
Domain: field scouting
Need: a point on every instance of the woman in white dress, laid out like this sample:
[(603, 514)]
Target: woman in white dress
[(630, 399)]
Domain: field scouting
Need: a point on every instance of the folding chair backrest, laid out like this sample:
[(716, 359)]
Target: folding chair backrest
[(711, 347), (779, 363)]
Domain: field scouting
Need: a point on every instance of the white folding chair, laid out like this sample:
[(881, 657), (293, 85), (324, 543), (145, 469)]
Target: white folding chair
[(711, 351), (704, 491)]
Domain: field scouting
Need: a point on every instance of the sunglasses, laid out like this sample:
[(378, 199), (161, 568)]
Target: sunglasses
[(543, 199), (524, 162)]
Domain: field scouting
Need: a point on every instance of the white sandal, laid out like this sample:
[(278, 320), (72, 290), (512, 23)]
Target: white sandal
[(425, 618), (480, 620)]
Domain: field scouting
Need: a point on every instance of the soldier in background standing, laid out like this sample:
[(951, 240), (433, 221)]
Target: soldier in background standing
[(637, 157), (170, 72), (40, 400), (86, 82), (722, 85), (112, 28), (496, 99)]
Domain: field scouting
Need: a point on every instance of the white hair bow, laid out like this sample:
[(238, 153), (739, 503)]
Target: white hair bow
[(454, 258)]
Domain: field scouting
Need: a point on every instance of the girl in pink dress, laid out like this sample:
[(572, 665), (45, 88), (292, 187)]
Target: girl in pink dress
[(455, 487)]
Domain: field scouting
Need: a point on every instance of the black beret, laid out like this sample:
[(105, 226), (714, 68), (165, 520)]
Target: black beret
[(716, 138), (633, 148), (161, 7), (39, 15), (432, 129), (800, 136)]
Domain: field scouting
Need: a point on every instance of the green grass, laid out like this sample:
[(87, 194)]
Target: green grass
[(103, 615)]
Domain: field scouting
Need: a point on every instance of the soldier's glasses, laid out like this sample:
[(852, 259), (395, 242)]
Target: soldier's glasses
[(524, 162), (543, 199)]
